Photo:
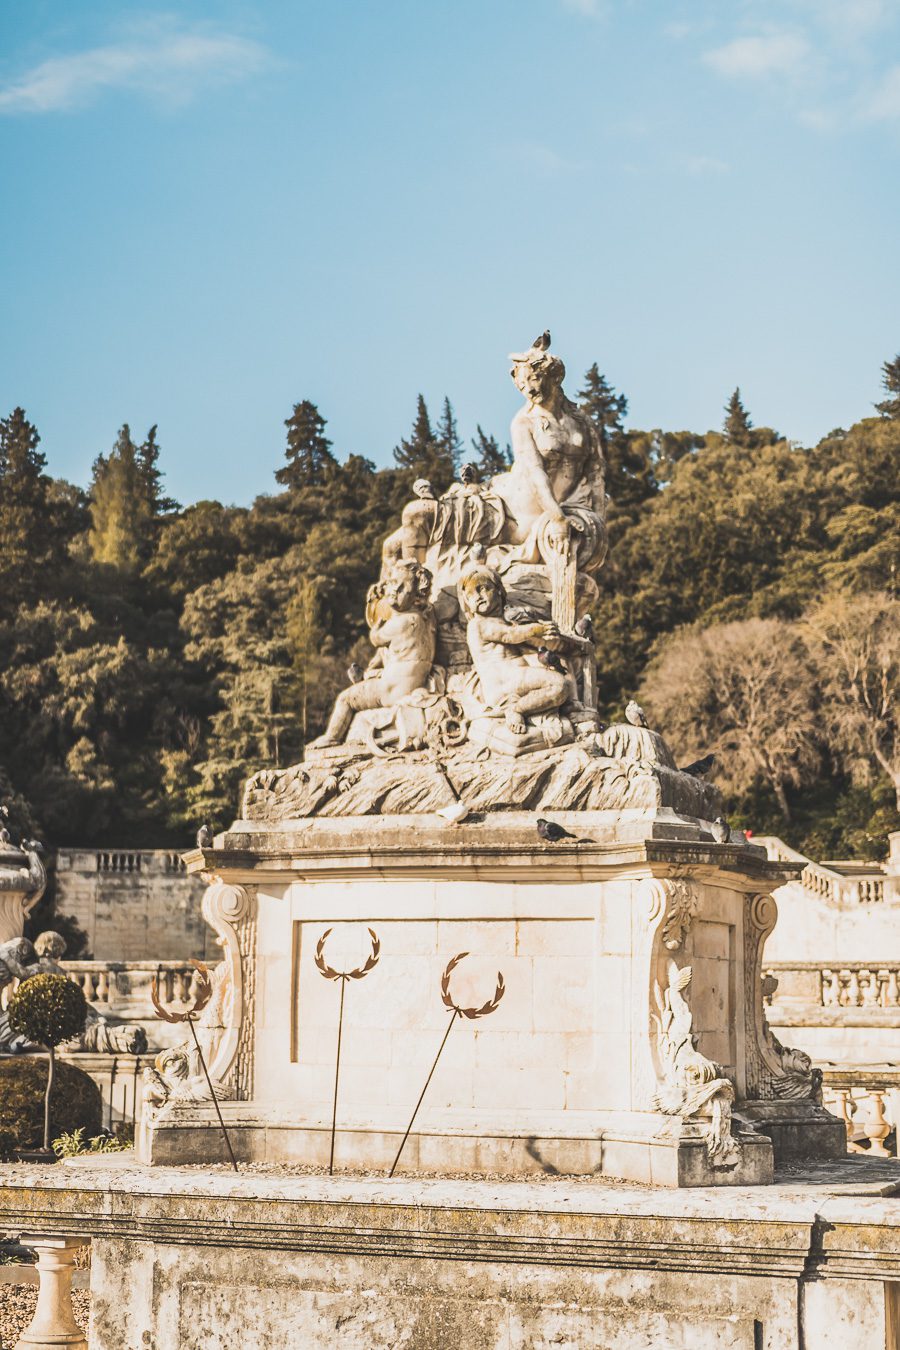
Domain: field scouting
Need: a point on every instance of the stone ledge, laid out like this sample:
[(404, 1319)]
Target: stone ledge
[(788, 1230)]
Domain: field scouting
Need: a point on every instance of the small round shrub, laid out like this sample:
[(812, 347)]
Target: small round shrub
[(48, 1009), (75, 1104)]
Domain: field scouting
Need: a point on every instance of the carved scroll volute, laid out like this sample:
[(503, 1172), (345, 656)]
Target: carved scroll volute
[(760, 914), (667, 909), (231, 911)]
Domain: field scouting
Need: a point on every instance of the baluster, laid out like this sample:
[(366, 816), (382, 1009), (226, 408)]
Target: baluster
[(893, 992), (103, 986), (184, 985), (845, 1109), (830, 989), (876, 1127), (87, 985), (844, 999), (868, 989), (881, 977), (850, 995)]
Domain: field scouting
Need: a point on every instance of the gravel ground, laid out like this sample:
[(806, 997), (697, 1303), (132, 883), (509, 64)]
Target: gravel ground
[(17, 1304)]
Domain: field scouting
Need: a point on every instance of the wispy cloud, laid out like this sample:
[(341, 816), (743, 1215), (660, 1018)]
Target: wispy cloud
[(167, 63), (760, 56), (702, 165), (882, 103), (590, 9)]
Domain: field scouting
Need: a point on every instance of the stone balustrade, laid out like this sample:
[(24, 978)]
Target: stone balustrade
[(125, 985), (867, 1098), (853, 984), (862, 887)]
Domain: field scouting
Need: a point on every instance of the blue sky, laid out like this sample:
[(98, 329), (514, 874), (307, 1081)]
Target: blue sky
[(211, 211)]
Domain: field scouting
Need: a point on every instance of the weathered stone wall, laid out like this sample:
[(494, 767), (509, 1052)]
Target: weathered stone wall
[(134, 904)]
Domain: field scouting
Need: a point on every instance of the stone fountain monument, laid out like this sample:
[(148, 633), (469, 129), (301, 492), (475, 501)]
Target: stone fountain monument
[(631, 1040)]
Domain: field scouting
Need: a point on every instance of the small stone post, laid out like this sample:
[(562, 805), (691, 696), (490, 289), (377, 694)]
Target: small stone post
[(53, 1323)]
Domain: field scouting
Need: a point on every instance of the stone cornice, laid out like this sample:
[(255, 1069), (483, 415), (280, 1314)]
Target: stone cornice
[(765, 1232), (484, 854)]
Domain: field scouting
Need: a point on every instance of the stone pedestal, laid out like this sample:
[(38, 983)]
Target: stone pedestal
[(53, 1323), (629, 1042)]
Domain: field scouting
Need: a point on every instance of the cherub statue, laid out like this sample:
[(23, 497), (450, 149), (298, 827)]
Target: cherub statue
[(402, 626), (175, 1078), (509, 682)]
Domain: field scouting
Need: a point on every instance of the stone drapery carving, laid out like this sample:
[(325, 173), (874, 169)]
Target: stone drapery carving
[(774, 1072), (692, 1086), (446, 713), (225, 1028)]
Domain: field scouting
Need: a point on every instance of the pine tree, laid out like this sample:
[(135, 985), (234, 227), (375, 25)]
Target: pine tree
[(890, 407), (448, 437), (603, 406), (308, 452), (488, 455), (147, 458), (27, 535), (121, 511), (422, 453), (737, 427)]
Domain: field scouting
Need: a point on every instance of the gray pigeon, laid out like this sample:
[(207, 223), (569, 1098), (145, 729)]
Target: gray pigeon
[(550, 832), (204, 837), (634, 714), (720, 830), (584, 628), (541, 343), (355, 672), (551, 660)]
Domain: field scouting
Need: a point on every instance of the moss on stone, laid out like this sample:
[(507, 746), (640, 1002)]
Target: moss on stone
[(23, 1080)]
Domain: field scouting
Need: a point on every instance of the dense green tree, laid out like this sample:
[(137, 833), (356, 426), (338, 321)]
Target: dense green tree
[(603, 405), (308, 453), (890, 407)]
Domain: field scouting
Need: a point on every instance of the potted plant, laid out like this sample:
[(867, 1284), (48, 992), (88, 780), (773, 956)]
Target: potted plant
[(47, 1010)]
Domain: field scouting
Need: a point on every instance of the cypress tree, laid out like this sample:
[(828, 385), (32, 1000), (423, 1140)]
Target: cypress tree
[(422, 454), (147, 458), (737, 426), (308, 452), (447, 435), (27, 536), (121, 511), (488, 455), (890, 407), (603, 405)]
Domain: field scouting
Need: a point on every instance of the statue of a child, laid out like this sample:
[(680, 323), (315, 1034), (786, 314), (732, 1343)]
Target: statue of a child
[(402, 628), (509, 682)]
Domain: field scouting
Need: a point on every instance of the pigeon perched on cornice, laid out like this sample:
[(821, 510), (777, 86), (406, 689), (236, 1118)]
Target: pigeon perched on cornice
[(720, 830), (584, 628), (634, 714), (204, 837), (550, 832), (700, 767)]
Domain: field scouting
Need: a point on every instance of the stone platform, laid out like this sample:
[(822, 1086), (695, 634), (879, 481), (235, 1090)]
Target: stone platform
[(200, 1259), (629, 1039)]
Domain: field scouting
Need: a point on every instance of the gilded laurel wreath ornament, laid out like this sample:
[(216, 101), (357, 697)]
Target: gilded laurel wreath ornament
[(330, 974), (471, 1013), (203, 988)]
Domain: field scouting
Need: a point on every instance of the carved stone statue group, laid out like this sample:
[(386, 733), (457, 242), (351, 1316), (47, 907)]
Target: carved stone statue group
[(484, 650)]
